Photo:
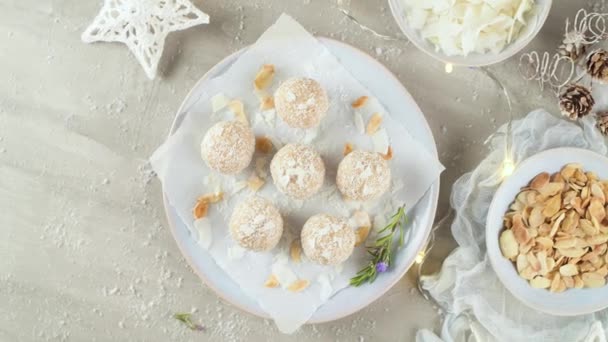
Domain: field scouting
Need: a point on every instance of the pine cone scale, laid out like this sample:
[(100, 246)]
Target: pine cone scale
[(575, 101)]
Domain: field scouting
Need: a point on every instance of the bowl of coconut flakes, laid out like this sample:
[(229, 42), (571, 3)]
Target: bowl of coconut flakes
[(470, 32)]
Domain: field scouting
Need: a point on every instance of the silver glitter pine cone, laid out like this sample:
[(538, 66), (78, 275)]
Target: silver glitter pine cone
[(597, 66), (575, 101), (602, 122), (572, 47)]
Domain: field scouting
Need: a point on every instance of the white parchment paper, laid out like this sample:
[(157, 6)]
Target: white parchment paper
[(185, 177)]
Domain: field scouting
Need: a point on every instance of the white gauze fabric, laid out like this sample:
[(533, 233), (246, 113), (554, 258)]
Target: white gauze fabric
[(478, 306)]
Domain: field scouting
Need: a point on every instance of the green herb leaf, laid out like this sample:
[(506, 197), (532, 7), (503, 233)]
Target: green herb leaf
[(186, 318), (380, 251)]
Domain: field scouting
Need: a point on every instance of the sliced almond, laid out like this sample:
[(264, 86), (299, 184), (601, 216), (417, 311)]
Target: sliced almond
[(236, 106), (569, 170), (568, 270), (578, 282), (598, 192), (528, 273), (552, 206), (555, 283), (374, 124), (295, 250), (593, 279), (550, 189), (508, 244), (388, 155), (533, 261), (536, 217), (360, 102), (263, 144), (572, 252), (597, 239), (521, 234), (540, 282), (556, 225), (264, 77), (544, 242), (266, 102), (521, 263), (540, 181), (565, 243), (272, 282), (348, 148), (568, 281), (542, 260), (298, 285), (596, 209)]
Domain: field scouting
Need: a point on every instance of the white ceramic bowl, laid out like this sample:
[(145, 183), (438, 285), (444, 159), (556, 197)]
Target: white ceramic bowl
[(473, 59), (398, 101), (572, 301)]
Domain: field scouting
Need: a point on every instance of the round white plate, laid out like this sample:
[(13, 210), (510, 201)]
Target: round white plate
[(400, 104), (571, 302)]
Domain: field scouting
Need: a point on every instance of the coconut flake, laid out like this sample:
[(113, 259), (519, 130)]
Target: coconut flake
[(359, 124), (219, 102), (326, 288), (203, 228), (381, 141), (460, 27), (281, 270)]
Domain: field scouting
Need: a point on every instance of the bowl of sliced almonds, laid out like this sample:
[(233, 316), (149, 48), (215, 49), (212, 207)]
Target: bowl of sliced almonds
[(547, 232)]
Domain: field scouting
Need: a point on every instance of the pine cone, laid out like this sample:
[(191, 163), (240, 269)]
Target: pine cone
[(575, 101), (572, 46), (597, 66), (602, 122)]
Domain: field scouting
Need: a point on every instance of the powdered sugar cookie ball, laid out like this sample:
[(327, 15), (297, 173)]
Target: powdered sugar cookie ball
[(327, 240), (301, 102), (256, 224), (297, 170), (363, 176), (228, 147)]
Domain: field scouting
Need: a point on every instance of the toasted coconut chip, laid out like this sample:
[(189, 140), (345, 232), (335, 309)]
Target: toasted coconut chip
[(298, 285), (264, 77), (360, 102), (374, 123)]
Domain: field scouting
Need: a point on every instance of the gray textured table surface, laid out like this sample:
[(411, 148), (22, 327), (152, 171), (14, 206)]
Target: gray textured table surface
[(85, 251)]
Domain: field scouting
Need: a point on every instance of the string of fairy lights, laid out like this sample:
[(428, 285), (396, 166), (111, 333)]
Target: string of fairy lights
[(507, 167)]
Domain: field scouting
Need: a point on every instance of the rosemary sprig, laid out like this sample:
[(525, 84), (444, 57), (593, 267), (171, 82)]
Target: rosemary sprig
[(380, 251), (186, 318)]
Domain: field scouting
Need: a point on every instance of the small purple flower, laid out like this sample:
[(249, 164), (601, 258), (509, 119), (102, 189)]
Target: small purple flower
[(381, 267)]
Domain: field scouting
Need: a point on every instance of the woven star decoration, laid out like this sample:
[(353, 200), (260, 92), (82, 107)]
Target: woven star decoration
[(143, 25)]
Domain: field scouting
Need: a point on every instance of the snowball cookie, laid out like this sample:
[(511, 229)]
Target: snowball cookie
[(228, 147), (256, 224), (301, 102), (327, 240), (297, 170), (363, 176)]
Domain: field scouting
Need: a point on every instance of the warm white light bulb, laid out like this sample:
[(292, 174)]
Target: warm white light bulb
[(507, 168), (449, 67), (420, 257)]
